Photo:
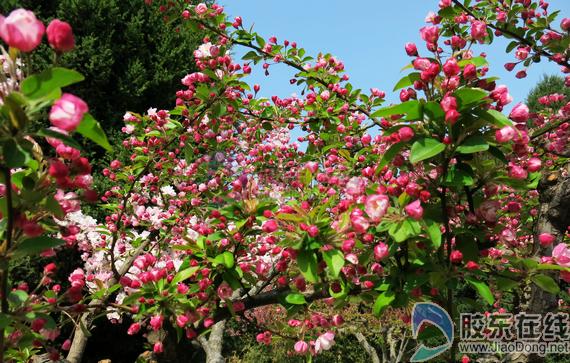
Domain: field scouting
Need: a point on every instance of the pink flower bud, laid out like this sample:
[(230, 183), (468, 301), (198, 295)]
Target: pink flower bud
[(411, 49), (269, 226), (60, 36), (505, 134), (301, 347), (519, 113), (415, 210), (470, 71), (478, 30), (406, 133), (201, 9), (158, 348), (381, 251), (517, 172), (156, 322), (451, 67), (534, 164), (546, 239), (21, 29), (452, 116), (565, 24), (134, 329), (456, 256)]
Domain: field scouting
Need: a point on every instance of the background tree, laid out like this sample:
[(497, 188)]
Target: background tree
[(548, 85), (130, 57)]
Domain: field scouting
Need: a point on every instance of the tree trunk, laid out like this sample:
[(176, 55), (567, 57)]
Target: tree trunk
[(214, 344), (367, 347)]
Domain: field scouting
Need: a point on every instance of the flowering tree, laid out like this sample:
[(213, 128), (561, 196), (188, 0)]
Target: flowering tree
[(38, 190), (217, 211)]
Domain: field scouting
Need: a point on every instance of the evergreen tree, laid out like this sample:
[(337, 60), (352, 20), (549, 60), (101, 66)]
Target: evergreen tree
[(546, 86), (131, 58)]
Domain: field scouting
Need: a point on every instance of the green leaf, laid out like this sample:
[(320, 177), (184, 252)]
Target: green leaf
[(91, 129), (69, 141), (42, 84), (413, 110), (496, 118), (407, 80), (382, 302), (546, 283), (473, 144), (505, 284), (434, 233), (483, 290), (226, 258), (184, 274), (460, 177), (52, 205), (35, 245), (404, 230), (334, 260), (547, 266), (219, 109), (15, 107), (295, 299), (18, 297), (468, 97), (390, 154), (424, 149), (5, 320), (14, 154), (307, 262), (476, 61)]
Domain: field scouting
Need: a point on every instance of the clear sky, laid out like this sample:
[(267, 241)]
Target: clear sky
[(368, 35)]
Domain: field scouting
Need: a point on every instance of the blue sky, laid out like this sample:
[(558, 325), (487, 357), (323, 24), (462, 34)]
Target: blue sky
[(368, 35)]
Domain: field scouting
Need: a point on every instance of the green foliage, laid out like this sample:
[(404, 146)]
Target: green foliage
[(549, 84)]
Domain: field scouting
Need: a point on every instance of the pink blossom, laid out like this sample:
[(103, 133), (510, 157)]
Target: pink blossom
[(355, 185), (376, 206), (415, 210), (201, 9), (456, 256), (517, 172), (519, 113), (505, 134), (224, 291), (21, 29), (561, 254), (156, 322), (67, 112), (301, 347), (134, 328), (546, 239), (406, 133), (157, 348), (269, 226), (324, 342), (60, 36), (411, 49), (359, 223), (430, 33), (451, 67), (264, 338), (534, 164), (478, 30), (381, 251)]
